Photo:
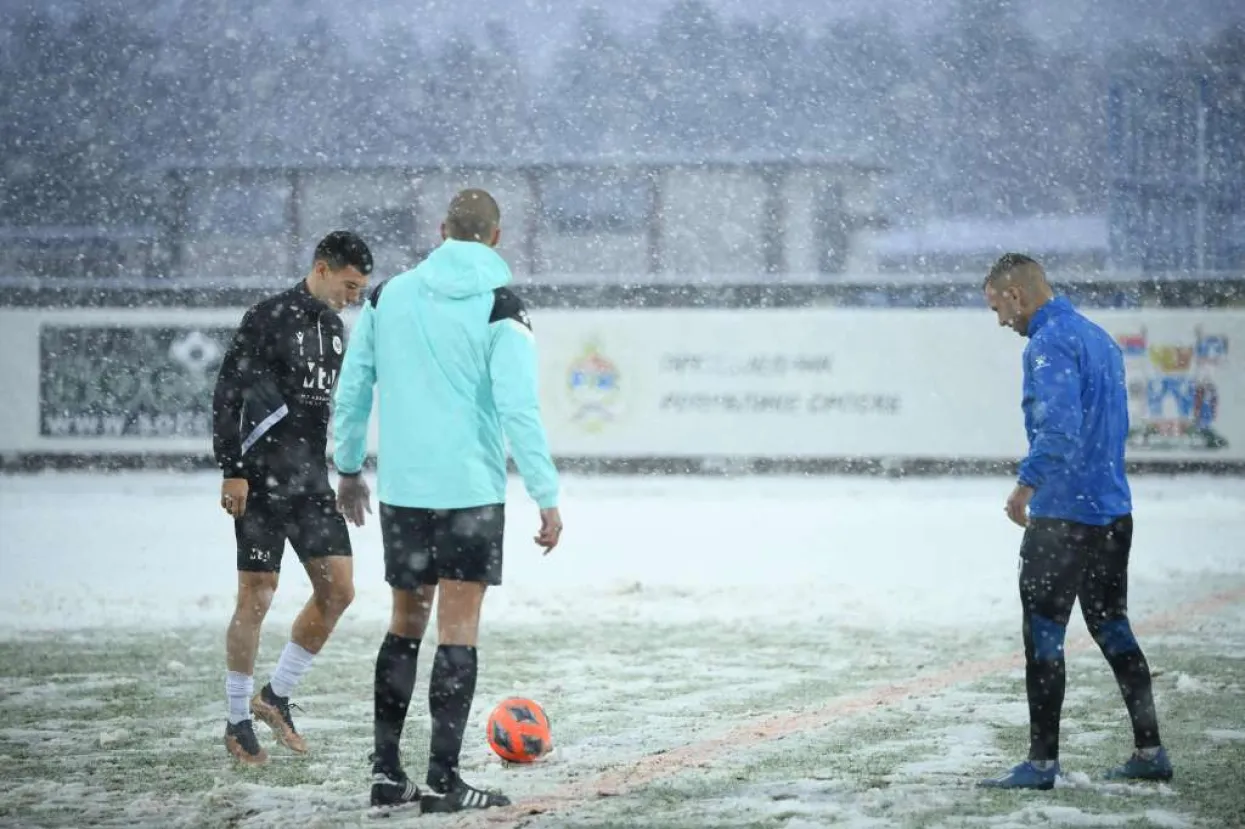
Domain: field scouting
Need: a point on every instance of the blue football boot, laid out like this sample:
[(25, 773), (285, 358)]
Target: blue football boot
[(1024, 776), (1139, 767)]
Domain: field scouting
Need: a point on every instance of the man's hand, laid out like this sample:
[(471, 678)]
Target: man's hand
[(1018, 505), (550, 529), (352, 498), (233, 492)]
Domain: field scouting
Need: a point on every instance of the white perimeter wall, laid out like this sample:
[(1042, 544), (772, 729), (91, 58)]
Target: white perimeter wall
[(806, 383)]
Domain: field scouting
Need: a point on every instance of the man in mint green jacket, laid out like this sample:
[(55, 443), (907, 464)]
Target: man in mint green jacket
[(450, 352)]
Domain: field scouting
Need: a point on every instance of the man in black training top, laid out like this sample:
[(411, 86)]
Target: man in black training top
[(270, 432)]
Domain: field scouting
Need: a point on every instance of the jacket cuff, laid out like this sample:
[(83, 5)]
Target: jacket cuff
[(232, 470), (1026, 477)]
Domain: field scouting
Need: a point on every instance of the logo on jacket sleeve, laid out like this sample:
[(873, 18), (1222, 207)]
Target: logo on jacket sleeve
[(337, 344)]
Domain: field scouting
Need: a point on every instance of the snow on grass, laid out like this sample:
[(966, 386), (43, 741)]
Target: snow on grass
[(675, 612), (153, 550), (1186, 684), (1167, 820)]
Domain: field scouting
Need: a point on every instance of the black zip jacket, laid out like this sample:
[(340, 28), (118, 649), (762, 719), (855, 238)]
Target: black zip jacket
[(271, 405)]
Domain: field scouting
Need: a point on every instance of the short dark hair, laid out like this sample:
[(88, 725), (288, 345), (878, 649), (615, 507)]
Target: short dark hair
[(1009, 263), (341, 249), (473, 216)]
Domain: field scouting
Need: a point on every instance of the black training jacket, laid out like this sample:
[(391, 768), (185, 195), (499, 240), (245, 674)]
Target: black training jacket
[(271, 405)]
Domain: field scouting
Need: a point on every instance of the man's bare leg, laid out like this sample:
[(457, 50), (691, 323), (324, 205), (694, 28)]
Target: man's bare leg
[(411, 611), (458, 612), (255, 592), (332, 585)]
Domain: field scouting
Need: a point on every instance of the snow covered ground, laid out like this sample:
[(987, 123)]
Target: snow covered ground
[(712, 652)]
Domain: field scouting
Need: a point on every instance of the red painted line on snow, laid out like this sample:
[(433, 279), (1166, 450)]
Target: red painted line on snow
[(701, 754)]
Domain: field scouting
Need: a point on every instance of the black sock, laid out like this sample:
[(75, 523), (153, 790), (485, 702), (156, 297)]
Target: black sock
[(1132, 674), (450, 693), (394, 684), (1045, 680)]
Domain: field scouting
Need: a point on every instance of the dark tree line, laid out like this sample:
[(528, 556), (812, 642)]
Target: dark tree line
[(975, 116)]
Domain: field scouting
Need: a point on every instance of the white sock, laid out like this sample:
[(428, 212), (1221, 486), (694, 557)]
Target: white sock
[(293, 664), (238, 690)]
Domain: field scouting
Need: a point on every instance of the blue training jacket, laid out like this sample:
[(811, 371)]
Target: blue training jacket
[(1076, 417), (451, 353)]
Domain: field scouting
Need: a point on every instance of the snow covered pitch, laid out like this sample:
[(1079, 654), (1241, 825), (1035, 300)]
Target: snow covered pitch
[(764, 652)]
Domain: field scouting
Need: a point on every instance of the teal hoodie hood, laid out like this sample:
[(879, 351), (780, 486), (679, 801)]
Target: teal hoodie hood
[(458, 270)]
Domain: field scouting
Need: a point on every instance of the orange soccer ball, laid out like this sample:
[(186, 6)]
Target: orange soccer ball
[(518, 730)]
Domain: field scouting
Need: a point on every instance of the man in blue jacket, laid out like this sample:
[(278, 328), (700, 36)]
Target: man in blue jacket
[(449, 349), (1078, 526)]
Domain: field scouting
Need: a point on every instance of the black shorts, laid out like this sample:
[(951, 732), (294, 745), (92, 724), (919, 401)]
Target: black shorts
[(1063, 561), (311, 523), (423, 546)]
